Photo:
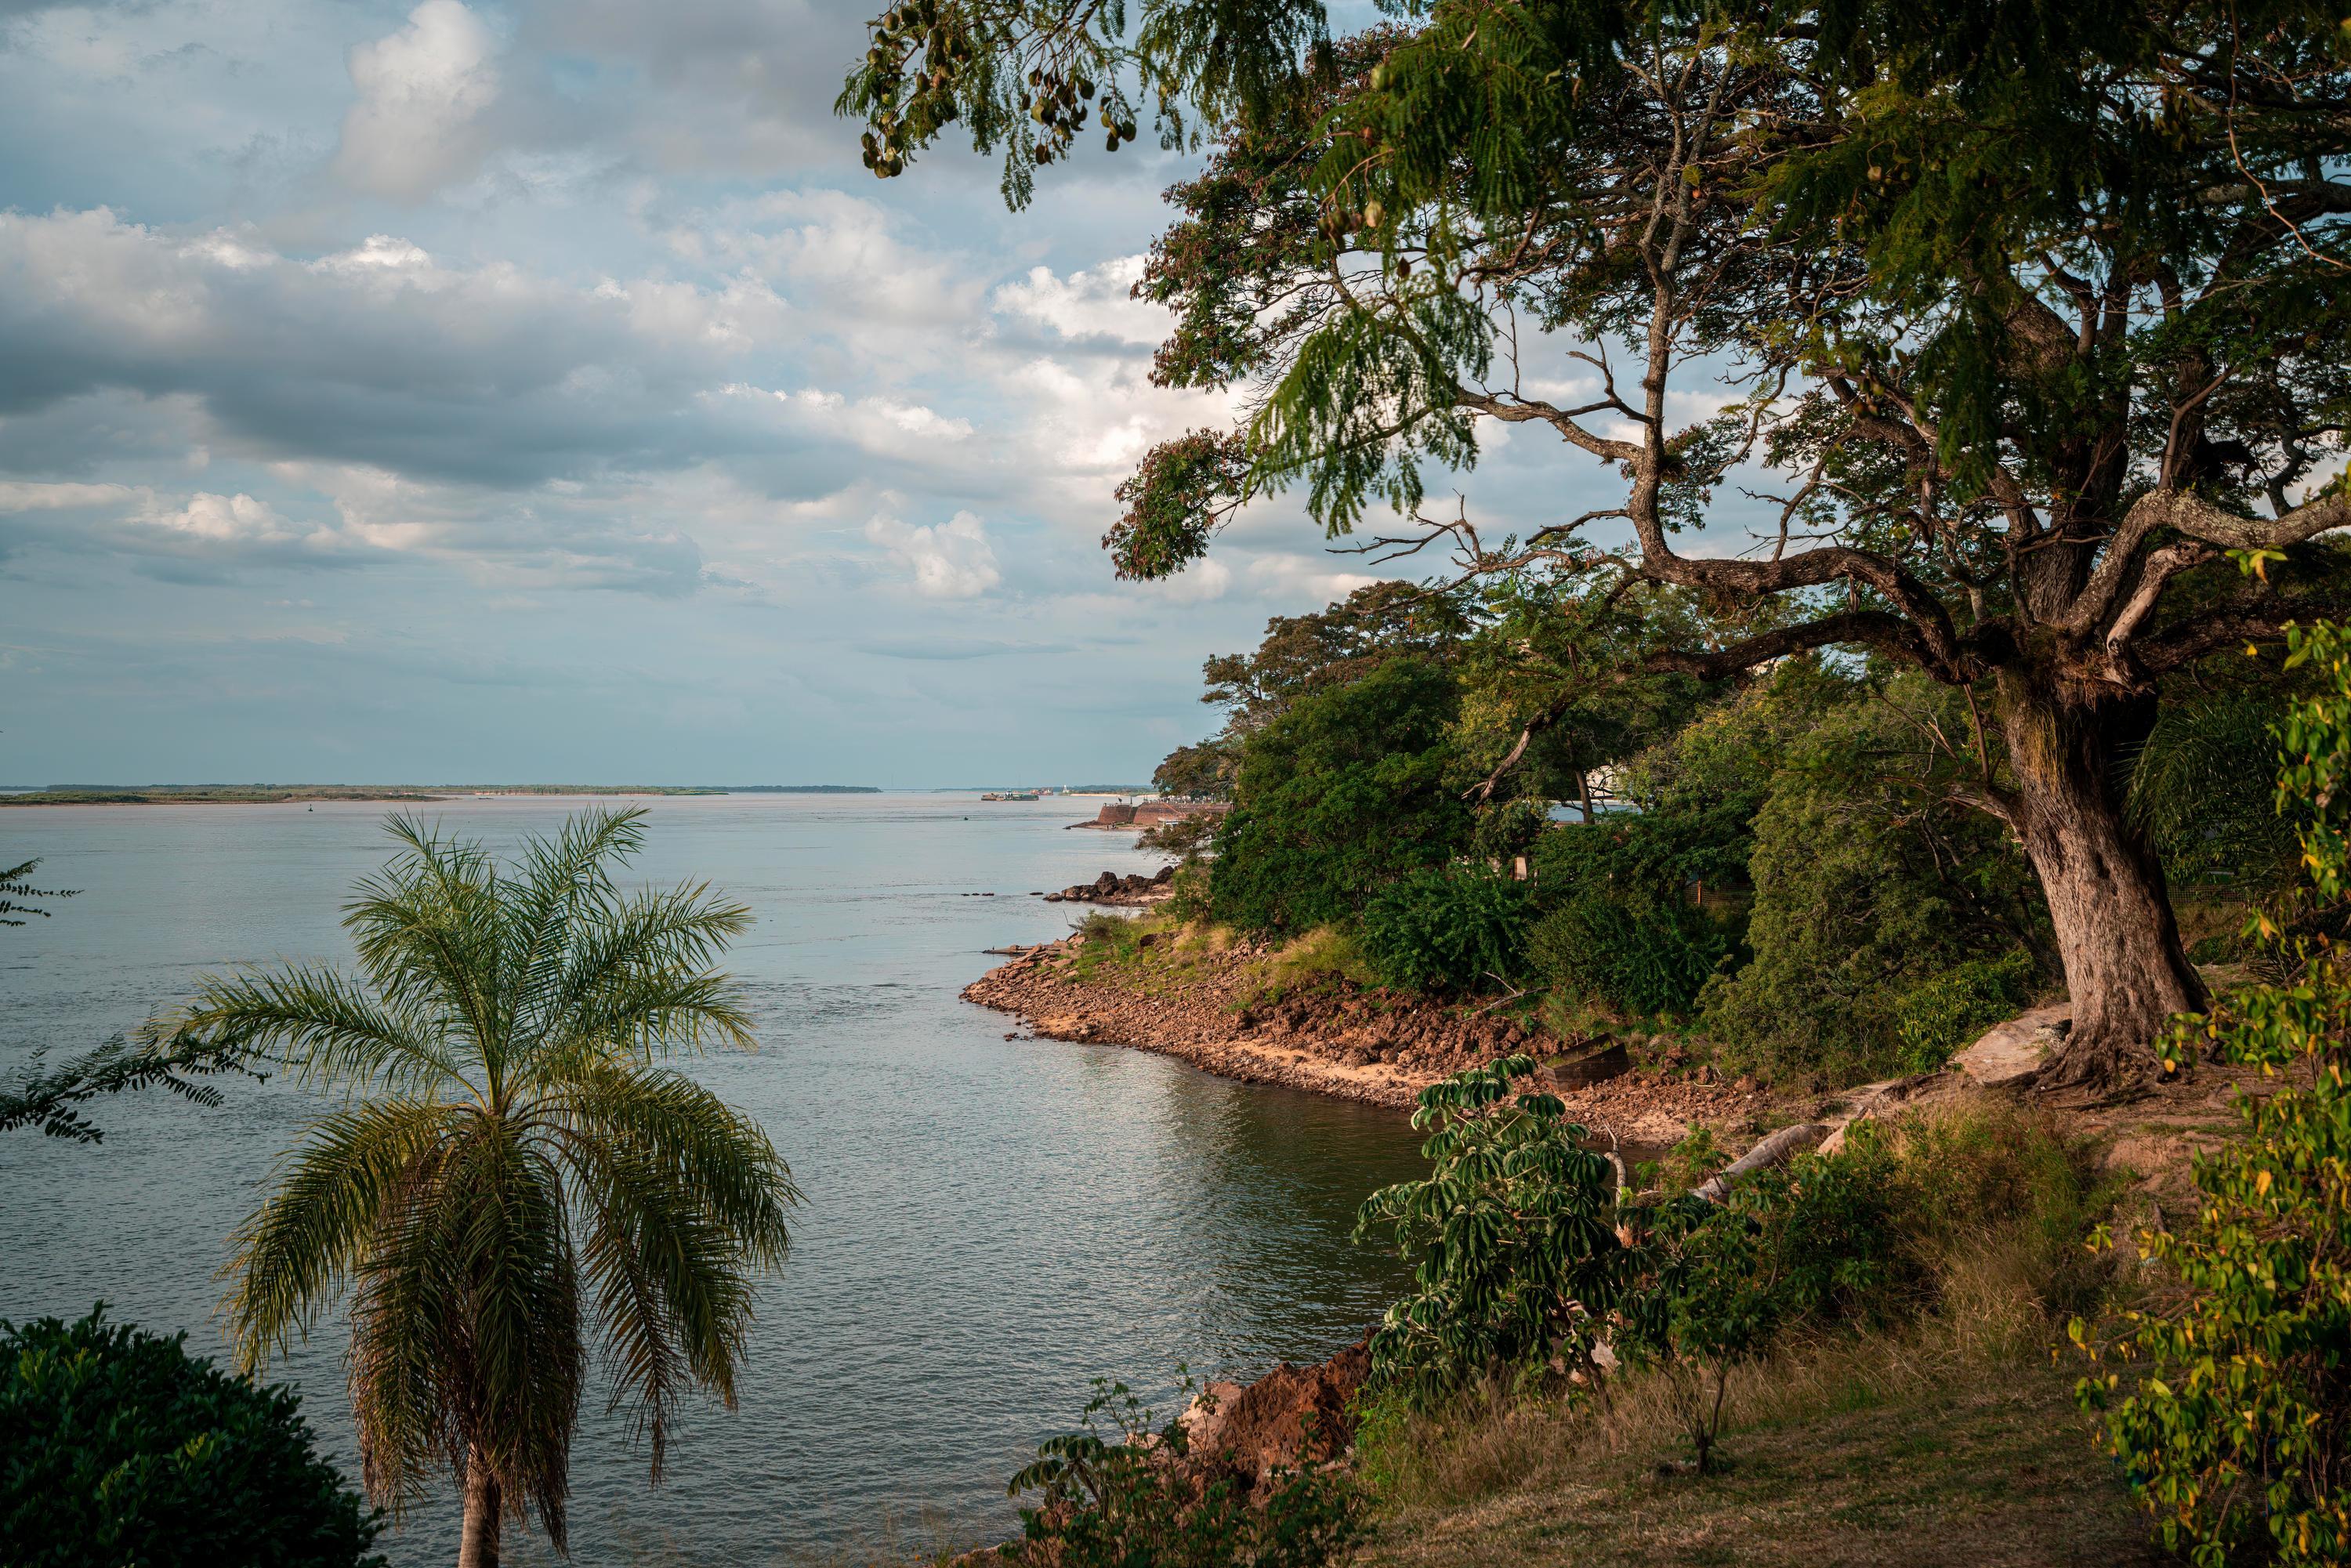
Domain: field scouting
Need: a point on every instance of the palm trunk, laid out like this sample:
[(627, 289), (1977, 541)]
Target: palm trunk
[(477, 1547), (2124, 967)]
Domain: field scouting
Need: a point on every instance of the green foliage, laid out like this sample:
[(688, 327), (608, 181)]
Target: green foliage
[(1621, 929), (1453, 929), (1187, 838), (1509, 1235), (1653, 854), (50, 1099), (1718, 768), (1869, 880), (1202, 773), (1344, 791), (1120, 1493), (1818, 1241), (1630, 952), (1937, 1018), (2201, 789), (19, 897), (511, 1176), (121, 1447), (1191, 894), (2239, 1435), (1174, 502)]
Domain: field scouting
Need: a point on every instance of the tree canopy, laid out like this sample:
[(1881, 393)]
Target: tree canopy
[(2016, 322)]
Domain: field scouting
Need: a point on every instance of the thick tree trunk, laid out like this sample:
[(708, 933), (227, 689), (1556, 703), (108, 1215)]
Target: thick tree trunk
[(2124, 967), (477, 1546)]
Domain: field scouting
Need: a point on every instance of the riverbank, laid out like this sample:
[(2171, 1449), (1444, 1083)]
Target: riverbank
[(1262, 1014)]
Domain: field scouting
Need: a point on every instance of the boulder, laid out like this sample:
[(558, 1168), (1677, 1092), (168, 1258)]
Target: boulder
[(2009, 1055), (1292, 1417)]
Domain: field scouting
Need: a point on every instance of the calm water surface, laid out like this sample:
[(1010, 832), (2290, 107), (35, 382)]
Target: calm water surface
[(991, 1223)]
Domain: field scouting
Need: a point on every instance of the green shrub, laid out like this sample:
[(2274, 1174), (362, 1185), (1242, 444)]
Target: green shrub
[(1938, 1017), (1510, 1236), (1345, 791), (2239, 1436), (117, 1447), (1867, 885), (1117, 1493), (1657, 851), (1460, 929), (1635, 955), (1190, 895)]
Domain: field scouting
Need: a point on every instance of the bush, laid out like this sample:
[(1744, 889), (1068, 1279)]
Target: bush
[(1341, 794), (120, 1447), (1629, 954), (1510, 1236), (1934, 1020), (2239, 1438), (1453, 930), (1118, 1493), (1868, 883)]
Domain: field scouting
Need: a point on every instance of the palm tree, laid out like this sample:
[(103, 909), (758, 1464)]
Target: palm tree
[(511, 1174)]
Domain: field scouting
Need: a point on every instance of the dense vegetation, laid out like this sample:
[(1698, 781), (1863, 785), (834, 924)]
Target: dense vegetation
[(121, 1447), (1785, 866), (2239, 1435)]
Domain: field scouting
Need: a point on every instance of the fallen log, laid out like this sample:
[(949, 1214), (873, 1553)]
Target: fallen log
[(1778, 1149)]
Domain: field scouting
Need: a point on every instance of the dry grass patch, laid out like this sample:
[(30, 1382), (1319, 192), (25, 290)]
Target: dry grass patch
[(1916, 1452)]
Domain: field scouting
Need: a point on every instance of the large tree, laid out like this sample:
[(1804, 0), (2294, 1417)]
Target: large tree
[(2021, 320)]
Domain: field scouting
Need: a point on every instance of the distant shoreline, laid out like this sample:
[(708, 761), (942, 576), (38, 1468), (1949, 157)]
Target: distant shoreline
[(281, 794)]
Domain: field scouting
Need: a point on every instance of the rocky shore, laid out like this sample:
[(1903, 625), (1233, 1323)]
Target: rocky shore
[(1133, 890), (1338, 1038)]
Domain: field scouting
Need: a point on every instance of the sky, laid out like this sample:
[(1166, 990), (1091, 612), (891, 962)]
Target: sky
[(543, 392)]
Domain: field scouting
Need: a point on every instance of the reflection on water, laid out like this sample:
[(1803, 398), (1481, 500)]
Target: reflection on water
[(991, 1222)]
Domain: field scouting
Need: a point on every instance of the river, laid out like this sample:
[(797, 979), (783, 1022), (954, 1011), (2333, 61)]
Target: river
[(990, 1223)]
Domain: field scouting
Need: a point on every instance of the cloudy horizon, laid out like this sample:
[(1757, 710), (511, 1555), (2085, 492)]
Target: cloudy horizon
[(531, 393)]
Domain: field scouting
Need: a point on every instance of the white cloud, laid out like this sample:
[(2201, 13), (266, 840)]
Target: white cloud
[(416, 123), (377, 253), (1093, 302), (224, 519), (952, 560), (18, 496), (1198, 583), (1283, 575)]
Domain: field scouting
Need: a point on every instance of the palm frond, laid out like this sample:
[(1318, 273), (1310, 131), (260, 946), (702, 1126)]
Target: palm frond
[(321, 1026), (2203, 790), (638, 982), (566, 883), (412, 1357), (333, 1196), (429, 932), (513, 1243), (687, 1202)]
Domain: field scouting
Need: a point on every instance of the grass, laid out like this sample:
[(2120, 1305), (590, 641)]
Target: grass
[(1316, 961), (1156, 953), (1949, 1436), (1886, 1452)]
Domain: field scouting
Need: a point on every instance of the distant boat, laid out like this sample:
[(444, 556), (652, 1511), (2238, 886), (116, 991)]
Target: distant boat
[(1012, 795)]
